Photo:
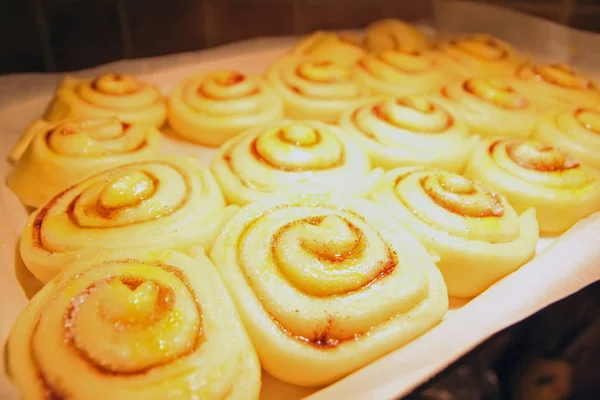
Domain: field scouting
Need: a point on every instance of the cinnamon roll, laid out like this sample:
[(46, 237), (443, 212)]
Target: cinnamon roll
[(326, 285), (211, 108), (50, 157), (292, 157), (492, 107), (400, 72), (556, 85), (479, 55), (133, 324), (393, 34), (110, 95), (574, 129), (534, 174), (409, 130), (476, 234), (314, 88), (171, 202), (344, 48)]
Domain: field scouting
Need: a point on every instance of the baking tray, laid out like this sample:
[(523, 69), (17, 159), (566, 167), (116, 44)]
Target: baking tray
[(562, 265)]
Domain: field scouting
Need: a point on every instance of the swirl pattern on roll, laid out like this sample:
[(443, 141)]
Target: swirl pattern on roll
[(400, 72), (534, 174), (393, 34), (211, 108), (133, 324), (410, 130), (480, 55), (164, 203), (292, 157), (342, 47), (325, 285), (492, 107), (553, 85), (574, 129), (110, 95), (314, 88), (476, 233), (50, 157)]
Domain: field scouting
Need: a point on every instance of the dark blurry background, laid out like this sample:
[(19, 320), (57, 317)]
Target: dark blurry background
[(63, 35)]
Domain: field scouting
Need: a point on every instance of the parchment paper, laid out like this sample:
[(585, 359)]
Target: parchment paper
[(567, 265)]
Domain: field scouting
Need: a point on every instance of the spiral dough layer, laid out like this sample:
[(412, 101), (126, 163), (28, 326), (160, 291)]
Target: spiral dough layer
[(326, 286), (556, 85), (341, 47), (165, 203), (574, 129), (534, 174), (110, 95), (400, 72), (477, 235), (491, 107), (314, 88), (292, 157), (393, 34), (410, 130), (50, 157), (211, 108), (133, 324), (480, 55)]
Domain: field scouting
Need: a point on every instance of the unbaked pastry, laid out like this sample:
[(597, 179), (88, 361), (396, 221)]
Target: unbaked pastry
[(535, 174), (492, 107), (393, 34), (326, 285), (409, 130), (123, 96), (342, 47), (169, 202), (476, 234), (314, 88), (133, 324), (292, 157), (51, 156), (213, 107)]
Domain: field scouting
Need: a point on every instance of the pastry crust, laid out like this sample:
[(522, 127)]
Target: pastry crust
[(393, 34)]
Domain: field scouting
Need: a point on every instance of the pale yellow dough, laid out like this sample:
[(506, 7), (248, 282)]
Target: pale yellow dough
[(133, 324), (476, 234), (51, 156), (110, 95), (211, 108), (479, 55), (314, 88), (393, 34), (574, 129), (325, 286), (342, 47), (556, 85), (292, 157), (170, 202), (491, 107), (400, 72), (410, 130), (535, 174)]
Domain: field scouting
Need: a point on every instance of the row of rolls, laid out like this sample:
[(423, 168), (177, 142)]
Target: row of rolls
[(357, 187)]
